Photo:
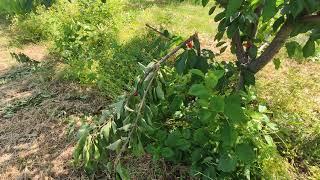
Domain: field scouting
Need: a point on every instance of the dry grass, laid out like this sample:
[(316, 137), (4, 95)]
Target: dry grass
[(34, 141), (33, 138)]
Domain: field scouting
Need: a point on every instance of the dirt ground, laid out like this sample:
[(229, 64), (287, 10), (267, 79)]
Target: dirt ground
[(33, 117)]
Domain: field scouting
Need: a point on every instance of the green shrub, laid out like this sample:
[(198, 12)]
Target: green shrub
[(44, 24), (189, 115), (21, 7)]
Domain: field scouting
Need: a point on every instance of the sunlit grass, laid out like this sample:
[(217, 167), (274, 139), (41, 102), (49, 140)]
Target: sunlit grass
[(181, 19), (293, 95)]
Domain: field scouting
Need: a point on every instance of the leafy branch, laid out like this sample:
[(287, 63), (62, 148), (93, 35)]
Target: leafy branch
[(153, 71)]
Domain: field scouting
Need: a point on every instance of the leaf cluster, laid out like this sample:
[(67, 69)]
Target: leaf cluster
[(188, 114)]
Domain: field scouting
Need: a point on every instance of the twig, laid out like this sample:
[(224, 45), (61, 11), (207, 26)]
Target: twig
[(157, 31)]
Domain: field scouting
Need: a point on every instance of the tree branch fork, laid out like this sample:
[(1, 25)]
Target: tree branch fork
[(255, 65)]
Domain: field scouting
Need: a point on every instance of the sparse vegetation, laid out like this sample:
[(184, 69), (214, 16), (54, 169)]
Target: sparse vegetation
[(200, 115)]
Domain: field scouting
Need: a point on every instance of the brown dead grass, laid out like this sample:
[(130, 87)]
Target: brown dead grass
[(34, 142)]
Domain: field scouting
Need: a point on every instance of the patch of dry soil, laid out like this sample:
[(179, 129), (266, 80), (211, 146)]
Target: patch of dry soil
[(33, 131)]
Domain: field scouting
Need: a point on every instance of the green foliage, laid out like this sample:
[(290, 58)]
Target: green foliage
[(189, 118), (191, 114), (243, 16), (16, 7), (86, 36), (44, 24)]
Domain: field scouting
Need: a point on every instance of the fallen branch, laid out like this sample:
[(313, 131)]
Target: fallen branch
[(155, 69), (166, 57)]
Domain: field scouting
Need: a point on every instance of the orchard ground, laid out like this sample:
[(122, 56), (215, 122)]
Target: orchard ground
[(36, 105)]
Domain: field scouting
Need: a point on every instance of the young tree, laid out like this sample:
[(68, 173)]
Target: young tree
[(258, 29)]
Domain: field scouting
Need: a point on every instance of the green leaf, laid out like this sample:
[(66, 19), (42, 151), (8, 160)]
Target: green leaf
[(83, 131), (219, 16), (219, 36), (269, 10), (232, 7), (183, 144), (205, 2), (245, 152), (262, 109), (220, 43), (196, 155), (296, 7), (197, 44), (105, 130), (211, 80), (186, 133), (176, 140), (278, 23), (192, 60), (276, 63), (269, 140), (87, 150), (173, 138), (309, 49), (253, 51), (232, 29), (119, 106), (176, 103), (96, 152), (212, 9), (201, 136), (233, 109), (228, 135), (159, 91), (199, 90), (291, 48), (181, 62), (227, 163), (197, 72), (79, 149), (167, 152), (217, 104), (123, 172), (205, 115), (223, 49), (115, 145), (249, 78), (210, 173)]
